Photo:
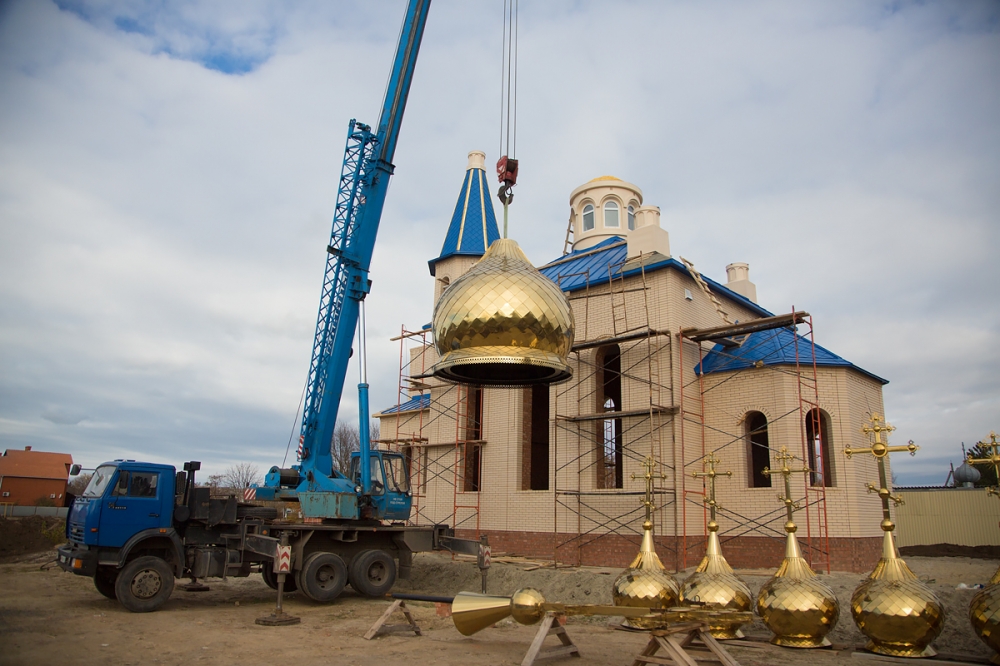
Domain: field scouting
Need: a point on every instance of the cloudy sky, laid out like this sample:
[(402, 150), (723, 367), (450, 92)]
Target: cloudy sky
[(168, 173)]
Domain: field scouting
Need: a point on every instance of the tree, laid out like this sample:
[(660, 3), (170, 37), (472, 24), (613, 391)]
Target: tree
[(78, 484), (987, 472), (347, 440), (241, 475)]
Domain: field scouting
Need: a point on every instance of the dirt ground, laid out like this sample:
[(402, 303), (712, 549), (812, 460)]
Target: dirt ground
[(51, 617)]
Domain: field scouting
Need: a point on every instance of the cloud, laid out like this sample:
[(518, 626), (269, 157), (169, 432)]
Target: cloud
[(168, 174)]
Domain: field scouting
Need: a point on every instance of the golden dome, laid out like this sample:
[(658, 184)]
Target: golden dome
[(714, 585), (984, 613), (503, 324), (599, 178), (900, 615), (645, 583), (795, 604)]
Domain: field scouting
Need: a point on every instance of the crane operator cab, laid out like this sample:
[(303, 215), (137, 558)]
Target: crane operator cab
[(390, 485)]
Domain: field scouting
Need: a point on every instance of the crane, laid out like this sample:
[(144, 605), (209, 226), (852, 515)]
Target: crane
[(364, 182)]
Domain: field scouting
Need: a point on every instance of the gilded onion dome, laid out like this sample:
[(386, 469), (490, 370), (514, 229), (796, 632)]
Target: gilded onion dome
[(984, 613), (503, 324), (900, 615), (713, 584), (645, 583), (794, 604)]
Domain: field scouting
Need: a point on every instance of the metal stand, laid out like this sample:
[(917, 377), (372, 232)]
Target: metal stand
[(550, 626), (282, 564), (194, 586), (380, 627), (679, 644)]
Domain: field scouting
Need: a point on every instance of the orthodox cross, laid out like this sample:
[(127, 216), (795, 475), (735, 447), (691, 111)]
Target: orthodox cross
[(710, 461), (880, 450), (650, 475), (993, 458), (784, 457)]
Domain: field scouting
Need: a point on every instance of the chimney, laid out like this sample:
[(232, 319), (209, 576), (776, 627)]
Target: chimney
[(648, 236), (738, 280), (27, 448)]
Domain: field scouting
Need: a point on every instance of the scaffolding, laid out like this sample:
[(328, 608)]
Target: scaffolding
[(668, 417)]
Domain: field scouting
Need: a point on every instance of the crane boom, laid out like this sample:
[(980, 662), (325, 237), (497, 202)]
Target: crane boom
[(364, 182)]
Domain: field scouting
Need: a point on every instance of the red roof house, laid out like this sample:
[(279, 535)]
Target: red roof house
[(29, 477)]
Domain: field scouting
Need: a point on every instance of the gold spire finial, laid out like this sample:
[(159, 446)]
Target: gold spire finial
[(993, 458), (880, 450), (710, 462), (650, 465), (784, 457)]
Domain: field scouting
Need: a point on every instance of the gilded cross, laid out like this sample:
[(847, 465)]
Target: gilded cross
[(650, 475), (880, 450), (784, 458), (993, 458), (710, 461)]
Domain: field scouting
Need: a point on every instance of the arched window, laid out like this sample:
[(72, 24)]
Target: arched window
[(819, 441), (631, 218), (588, 217), (758, 451), (535, 443), (609, 435), (611, 214)]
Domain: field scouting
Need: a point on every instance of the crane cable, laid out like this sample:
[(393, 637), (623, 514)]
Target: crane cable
[(507, 165)]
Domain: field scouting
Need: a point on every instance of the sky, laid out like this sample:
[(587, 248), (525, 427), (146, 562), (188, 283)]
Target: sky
[(168, 174)]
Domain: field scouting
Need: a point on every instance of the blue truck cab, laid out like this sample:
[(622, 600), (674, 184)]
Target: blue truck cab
[(125, 513)]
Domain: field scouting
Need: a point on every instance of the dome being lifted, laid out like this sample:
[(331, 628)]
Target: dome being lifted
[(503, 324)]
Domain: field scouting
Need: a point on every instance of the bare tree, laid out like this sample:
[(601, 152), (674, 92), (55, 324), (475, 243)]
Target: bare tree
[(214, 481), (78, 484), (346, 440), (241, 475)]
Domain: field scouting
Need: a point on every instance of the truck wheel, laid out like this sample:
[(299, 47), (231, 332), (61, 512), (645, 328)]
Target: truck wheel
[(323, 576), (144, 584), (373, 573), (271, 578), (104, 581)]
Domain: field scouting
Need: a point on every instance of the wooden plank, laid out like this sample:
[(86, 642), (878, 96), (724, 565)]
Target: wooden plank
[(752, 326)]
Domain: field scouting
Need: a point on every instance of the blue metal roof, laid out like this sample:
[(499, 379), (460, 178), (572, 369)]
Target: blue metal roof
[(773, 347), (597, 264), (422, 401), (473, 224)]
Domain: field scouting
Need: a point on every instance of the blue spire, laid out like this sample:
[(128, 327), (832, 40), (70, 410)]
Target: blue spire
[(473, 225)]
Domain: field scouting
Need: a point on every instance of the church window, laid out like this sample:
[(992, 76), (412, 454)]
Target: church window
[(609, 435), (758, 450), (588, 217), (611, 214), (535, 443), (818, 440), (631, 218), (473, 434)]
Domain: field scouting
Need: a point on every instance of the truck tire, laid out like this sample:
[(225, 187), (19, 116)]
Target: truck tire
[(373, 573), (144, 584), (323, 576), (104, 581), (262, 512), (271, 578)]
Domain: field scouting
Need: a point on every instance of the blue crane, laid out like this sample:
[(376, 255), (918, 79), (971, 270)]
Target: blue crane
[(364, 182)]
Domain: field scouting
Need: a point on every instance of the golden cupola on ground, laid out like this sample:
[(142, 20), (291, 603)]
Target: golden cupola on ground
[(794, 604), (646, 583), (502, 323), (714, 584), (984, 609), (900, 615)]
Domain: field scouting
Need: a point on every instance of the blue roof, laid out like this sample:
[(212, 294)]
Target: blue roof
[(473, 224), (597, 264), (773, 347), (422, 401)]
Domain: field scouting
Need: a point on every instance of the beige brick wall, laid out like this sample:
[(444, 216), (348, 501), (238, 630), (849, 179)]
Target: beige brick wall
[(655, 373)]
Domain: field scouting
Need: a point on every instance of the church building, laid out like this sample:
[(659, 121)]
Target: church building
[(668, 364)]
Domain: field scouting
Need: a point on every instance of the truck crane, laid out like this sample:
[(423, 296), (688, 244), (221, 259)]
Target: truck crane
[(137, 526)]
